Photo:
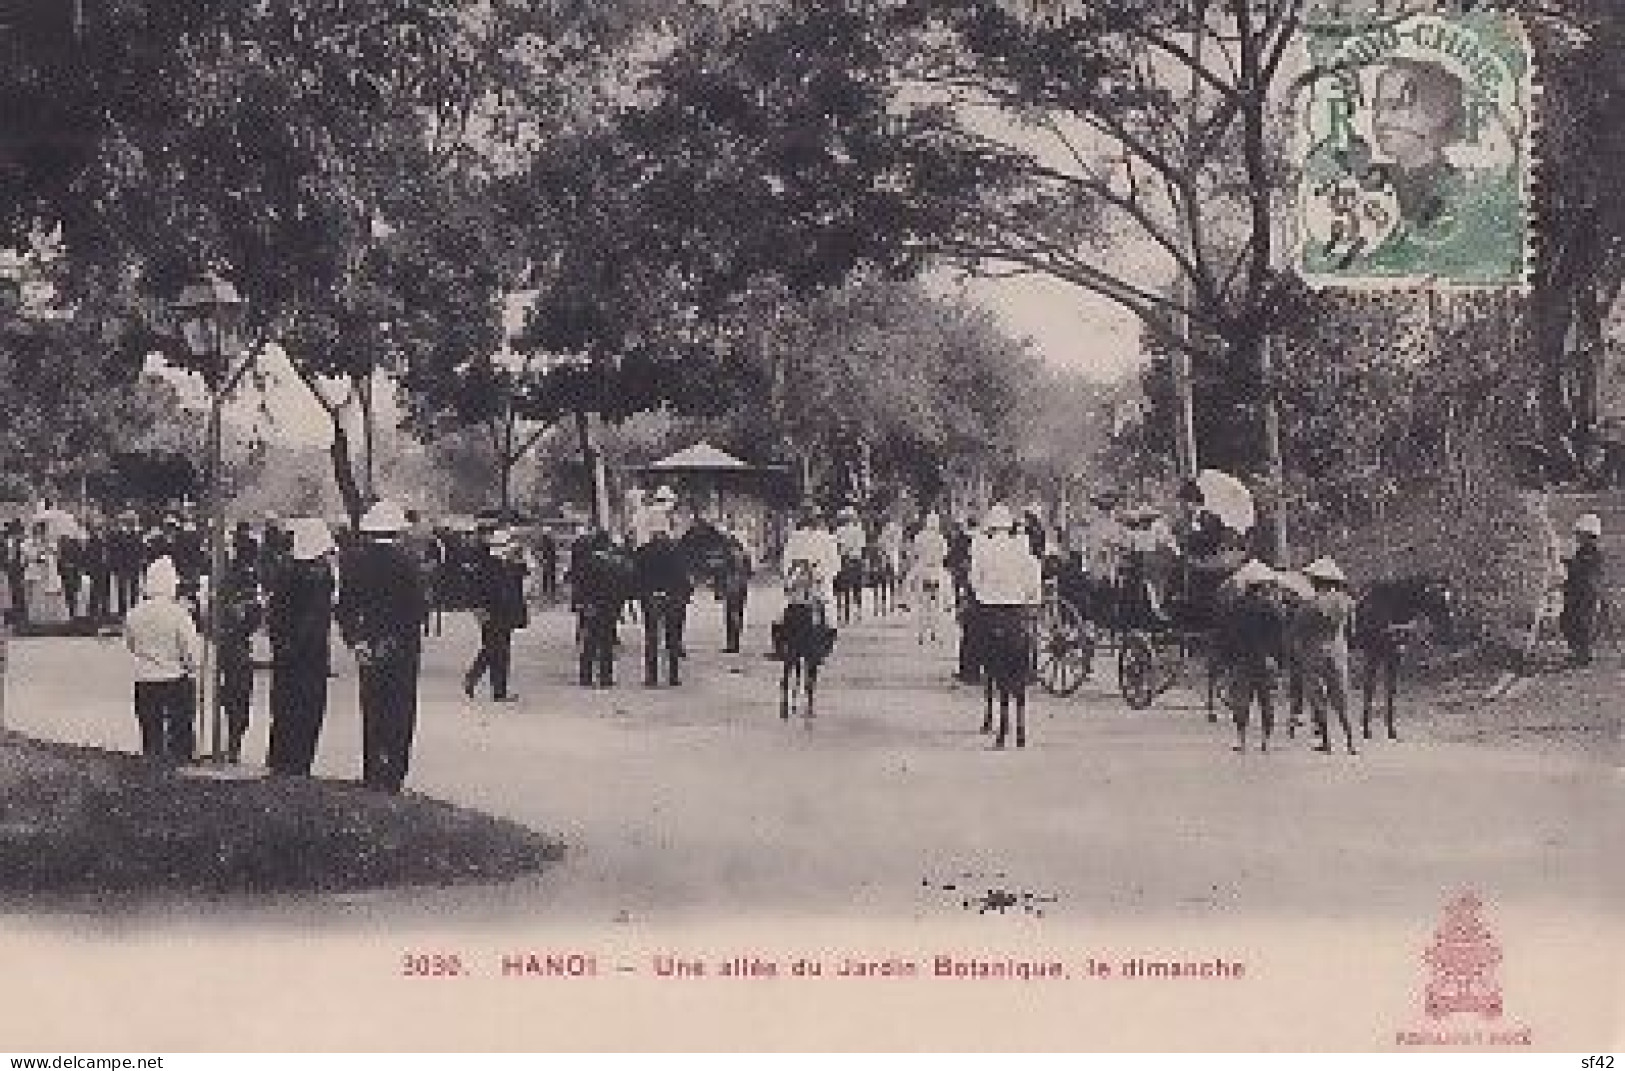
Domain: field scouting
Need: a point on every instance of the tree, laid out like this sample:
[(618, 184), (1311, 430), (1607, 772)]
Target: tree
[(1580, 271), (299, 159), (72, 399)]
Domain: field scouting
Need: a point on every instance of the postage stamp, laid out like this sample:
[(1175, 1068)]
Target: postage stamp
[(1415, 138)]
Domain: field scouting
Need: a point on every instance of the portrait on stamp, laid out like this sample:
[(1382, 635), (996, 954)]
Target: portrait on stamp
[(1415, 157)]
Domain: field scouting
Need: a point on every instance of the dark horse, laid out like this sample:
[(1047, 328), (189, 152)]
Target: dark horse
[(849, 589), (880, 575), (1007, 664), (1390, 615), (802, 641)]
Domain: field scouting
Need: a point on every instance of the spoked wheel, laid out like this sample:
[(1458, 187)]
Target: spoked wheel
[(1137, 670), (1065, 647)]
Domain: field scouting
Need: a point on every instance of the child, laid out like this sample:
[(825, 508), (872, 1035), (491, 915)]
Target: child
[(161, 635)]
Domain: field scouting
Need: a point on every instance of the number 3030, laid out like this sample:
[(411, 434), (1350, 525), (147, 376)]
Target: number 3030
[(425, 965)]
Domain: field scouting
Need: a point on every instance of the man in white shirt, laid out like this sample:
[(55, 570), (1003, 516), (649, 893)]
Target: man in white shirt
[(1008, 583), (812, 558), (168, 652), (1003, 571)]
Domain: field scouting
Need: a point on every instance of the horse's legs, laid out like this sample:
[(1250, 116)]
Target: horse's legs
[(1004, 716), (1392, 683), (785, 686), (809, 681), (987, 695), (1021, 715), (1368, 688), (1213, 671)]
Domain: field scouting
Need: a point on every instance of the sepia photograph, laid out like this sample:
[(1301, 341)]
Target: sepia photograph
[(811, 526)]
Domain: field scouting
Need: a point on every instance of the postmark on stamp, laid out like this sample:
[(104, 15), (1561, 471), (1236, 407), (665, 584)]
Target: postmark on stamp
[(1415, 139)]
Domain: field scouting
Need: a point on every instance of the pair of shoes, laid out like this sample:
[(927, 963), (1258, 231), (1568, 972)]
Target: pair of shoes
[(508, 698)]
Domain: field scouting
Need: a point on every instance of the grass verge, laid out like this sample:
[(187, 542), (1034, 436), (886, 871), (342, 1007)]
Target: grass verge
[(78, 820)]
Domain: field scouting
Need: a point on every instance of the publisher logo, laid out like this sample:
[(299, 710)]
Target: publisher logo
[(1463, 960)]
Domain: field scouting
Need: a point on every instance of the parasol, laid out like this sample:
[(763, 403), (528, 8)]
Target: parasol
[(59, 522), (1228, 499)]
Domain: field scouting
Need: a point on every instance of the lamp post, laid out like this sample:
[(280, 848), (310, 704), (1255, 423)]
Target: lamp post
[(211, 314)]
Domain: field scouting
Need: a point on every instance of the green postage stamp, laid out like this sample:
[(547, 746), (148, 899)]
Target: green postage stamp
[(1415, 137)]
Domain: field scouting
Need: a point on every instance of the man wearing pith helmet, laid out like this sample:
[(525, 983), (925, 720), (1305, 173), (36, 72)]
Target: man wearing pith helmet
[(381, 607), (1324, 637)]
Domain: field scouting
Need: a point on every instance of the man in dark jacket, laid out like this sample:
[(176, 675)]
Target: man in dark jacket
[(664, 588), (14, 559), (499, 604), (240, 616), (125, 551), (98, 572), (547, 550), (381, 607), (600, 576), (1582, 590), (961, 538), (1251, 647), (299, 621), (70, 568)]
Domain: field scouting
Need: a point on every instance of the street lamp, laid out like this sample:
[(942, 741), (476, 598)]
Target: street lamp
[(211, 314), (598, 482)]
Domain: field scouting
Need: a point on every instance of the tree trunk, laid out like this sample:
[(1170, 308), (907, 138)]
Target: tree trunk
[(589, 461), (343, 471), (363, 394)]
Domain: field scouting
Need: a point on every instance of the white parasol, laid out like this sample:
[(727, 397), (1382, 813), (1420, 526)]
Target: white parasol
[(1228, 499), (59, 522)]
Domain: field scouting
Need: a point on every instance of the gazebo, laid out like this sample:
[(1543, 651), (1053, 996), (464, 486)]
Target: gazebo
[(714, 483)]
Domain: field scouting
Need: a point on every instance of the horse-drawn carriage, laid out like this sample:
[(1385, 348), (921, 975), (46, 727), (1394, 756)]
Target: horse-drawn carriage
[(1157, 613), (1155, 632)]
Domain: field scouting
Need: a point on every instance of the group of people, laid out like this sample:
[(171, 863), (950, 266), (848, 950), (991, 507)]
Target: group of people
[(1276, 627), (653, 574), (1272, 629), (62, 572), (289, 581)]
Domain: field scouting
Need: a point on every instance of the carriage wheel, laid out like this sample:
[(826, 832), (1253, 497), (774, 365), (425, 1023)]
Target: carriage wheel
[(1066, 643), (1063, 644), (1137, 670)]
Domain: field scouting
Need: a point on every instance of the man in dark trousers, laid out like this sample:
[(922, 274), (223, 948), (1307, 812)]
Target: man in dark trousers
[(99, 573), (500, 607), (548, 552), (600, 576), (125, 551), (1582, 590), (381, 607), (299, 621), (664, 588), (70, 568), (14, 559), (1250, 643), (241, 614), (961, 540), (733, 587)]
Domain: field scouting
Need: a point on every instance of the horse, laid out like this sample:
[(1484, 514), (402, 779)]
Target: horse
[(880, 576), (1007, 664), (802, 641), (849, 589), (1388, 616)]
